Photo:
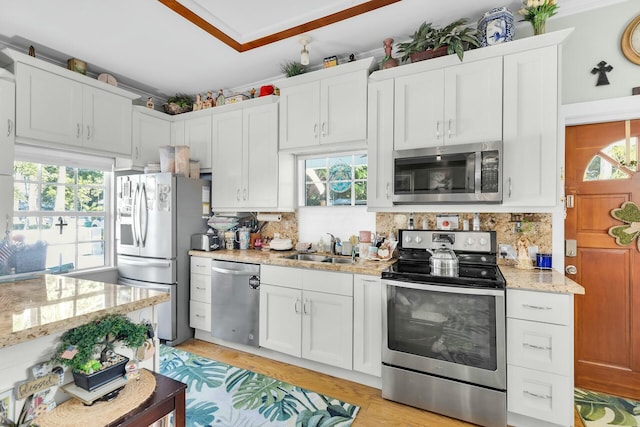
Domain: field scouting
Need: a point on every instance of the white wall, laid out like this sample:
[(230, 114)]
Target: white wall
[(596, 38), (341, 221)]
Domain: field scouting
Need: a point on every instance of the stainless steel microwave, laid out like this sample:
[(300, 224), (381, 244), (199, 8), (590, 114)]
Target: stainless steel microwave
[(466, 173)]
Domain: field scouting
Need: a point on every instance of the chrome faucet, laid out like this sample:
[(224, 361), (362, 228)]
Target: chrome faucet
[(332, 244)]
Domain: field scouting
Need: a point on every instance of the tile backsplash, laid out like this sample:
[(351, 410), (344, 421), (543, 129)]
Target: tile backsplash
[(537, 230)]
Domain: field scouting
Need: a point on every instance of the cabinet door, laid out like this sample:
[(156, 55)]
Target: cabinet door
[(300, 115), (280, 327), (7, 128), (473, 102), (380, 144), (200, 315), (540, 346), (198, 136), (106, 121), (227, 160), (419, 100), (367, 325), (149, 134), (49, 107), (201, 288), (343, 108), (260, 156), (327, 329), (531, 128)]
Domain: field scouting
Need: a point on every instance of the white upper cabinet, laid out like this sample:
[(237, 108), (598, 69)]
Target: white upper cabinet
[(7, 127), (380, 144), (150, 132), (531, 128), (54, 109), (245, 159), (198, 136), (325, 107), (453, 105)]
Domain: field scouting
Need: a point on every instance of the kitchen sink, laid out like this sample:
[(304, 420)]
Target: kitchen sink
[(308, 257), (339, 260)]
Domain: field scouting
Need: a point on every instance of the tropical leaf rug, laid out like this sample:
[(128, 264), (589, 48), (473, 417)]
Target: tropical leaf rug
[(601, 410), (222, 395)]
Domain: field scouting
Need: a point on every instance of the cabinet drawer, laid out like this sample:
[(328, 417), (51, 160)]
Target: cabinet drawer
[(329, 282), (540, 346), (200, 265), (200, 315), (281, 276), (540, 395), (540, 306), (201, 288)]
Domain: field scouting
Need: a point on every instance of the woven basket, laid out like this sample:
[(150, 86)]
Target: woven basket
[(171, 108)]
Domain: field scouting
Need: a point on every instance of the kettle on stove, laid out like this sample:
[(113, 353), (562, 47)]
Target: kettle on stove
[(443, 262)]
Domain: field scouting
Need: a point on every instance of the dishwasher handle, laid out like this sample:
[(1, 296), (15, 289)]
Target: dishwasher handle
[(233, 272)]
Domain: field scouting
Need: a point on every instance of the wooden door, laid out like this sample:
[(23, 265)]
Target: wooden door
[(607, 332)]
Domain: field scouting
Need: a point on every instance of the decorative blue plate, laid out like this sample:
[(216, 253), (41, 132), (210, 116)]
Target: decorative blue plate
[(495, 27)]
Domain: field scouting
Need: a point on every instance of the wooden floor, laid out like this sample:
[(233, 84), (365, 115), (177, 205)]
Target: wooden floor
[(374, 410)]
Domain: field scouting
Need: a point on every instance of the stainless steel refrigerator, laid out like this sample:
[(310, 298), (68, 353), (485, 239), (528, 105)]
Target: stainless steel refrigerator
[(156, 216)]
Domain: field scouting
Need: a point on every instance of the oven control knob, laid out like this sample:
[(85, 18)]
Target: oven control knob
[(407, 239), (418, 239), (470, 241), (483, 241)]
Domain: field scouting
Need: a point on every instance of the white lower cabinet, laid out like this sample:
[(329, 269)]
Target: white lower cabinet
[(367, 324), (539, 358), (200, 299), (308, 314)]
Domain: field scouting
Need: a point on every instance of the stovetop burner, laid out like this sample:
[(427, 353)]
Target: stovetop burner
[(475, 251)]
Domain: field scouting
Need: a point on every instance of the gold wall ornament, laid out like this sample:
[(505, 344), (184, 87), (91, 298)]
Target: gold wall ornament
[(630, 41), (629, 213)]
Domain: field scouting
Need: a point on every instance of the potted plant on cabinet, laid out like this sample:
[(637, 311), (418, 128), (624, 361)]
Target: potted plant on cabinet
[(178, 104), (88, 349), (430, 42)]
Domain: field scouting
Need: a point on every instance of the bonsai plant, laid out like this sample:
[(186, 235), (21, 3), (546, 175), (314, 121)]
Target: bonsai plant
[(456, 37), (88, 348), (179, 103)]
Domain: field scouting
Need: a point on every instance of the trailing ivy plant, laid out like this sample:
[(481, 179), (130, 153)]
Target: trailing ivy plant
[(94, 339)]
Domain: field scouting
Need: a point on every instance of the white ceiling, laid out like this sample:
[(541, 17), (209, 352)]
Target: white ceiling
[(147, 46)]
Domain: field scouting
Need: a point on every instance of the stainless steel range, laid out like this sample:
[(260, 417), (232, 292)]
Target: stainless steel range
[(444, 334)]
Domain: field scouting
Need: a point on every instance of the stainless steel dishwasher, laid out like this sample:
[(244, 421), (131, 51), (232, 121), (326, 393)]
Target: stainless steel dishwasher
[(235, 301)]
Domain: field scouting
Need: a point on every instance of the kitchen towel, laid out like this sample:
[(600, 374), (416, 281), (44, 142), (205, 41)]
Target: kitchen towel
[(221, 394)]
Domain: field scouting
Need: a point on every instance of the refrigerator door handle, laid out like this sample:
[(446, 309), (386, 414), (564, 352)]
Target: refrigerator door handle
[(158, 263), (144, 215), (134, 216)]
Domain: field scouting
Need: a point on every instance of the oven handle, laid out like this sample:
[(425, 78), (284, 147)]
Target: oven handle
[(444, 288)]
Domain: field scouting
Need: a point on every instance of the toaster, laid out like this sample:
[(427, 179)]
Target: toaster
[(204, 242)]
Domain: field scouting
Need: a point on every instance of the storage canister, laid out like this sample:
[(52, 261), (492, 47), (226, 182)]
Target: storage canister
[(182, 160), (167, 159)]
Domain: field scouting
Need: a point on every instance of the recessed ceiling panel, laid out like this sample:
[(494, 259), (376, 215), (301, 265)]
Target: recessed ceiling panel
[(247, 20)]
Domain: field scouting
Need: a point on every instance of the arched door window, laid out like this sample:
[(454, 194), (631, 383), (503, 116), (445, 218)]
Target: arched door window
[(616, 161)]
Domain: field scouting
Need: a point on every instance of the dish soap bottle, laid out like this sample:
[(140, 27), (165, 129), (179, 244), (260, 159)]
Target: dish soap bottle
[(320, 247)]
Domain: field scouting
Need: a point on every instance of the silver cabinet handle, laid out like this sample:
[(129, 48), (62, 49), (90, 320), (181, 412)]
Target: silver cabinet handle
[(387, 191), (449, 128), (9, 127), (78, 130), (88, 132), (324, 128), (137, 153), (238, 195), (201, 316), (437, 129), (315, 130), (200, 288), (509, 187), (305, 309), (536, 307), (296, 305), (535, 347), (539, 396), (244, 194)]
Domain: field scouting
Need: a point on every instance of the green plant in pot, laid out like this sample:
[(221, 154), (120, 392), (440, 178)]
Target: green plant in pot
[(429, 42), (179, 103), (93, 344), (292, 68)]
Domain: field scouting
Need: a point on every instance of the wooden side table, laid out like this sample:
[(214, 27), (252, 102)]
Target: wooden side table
[(169, 396)]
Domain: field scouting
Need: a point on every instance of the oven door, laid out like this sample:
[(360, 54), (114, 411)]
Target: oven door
[(452, 332)]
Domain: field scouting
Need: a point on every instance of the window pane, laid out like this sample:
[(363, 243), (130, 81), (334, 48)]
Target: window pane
[(340, 198), (25, 196), (361, 192), (618, 152), (25, 171), (52, 173), (601, 169), (313, 195), (344, 176), (86, 176), (90, 199)]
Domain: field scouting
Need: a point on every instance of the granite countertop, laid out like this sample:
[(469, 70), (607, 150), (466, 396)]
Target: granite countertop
[(49, 304), (539, 280), (361, 266)]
